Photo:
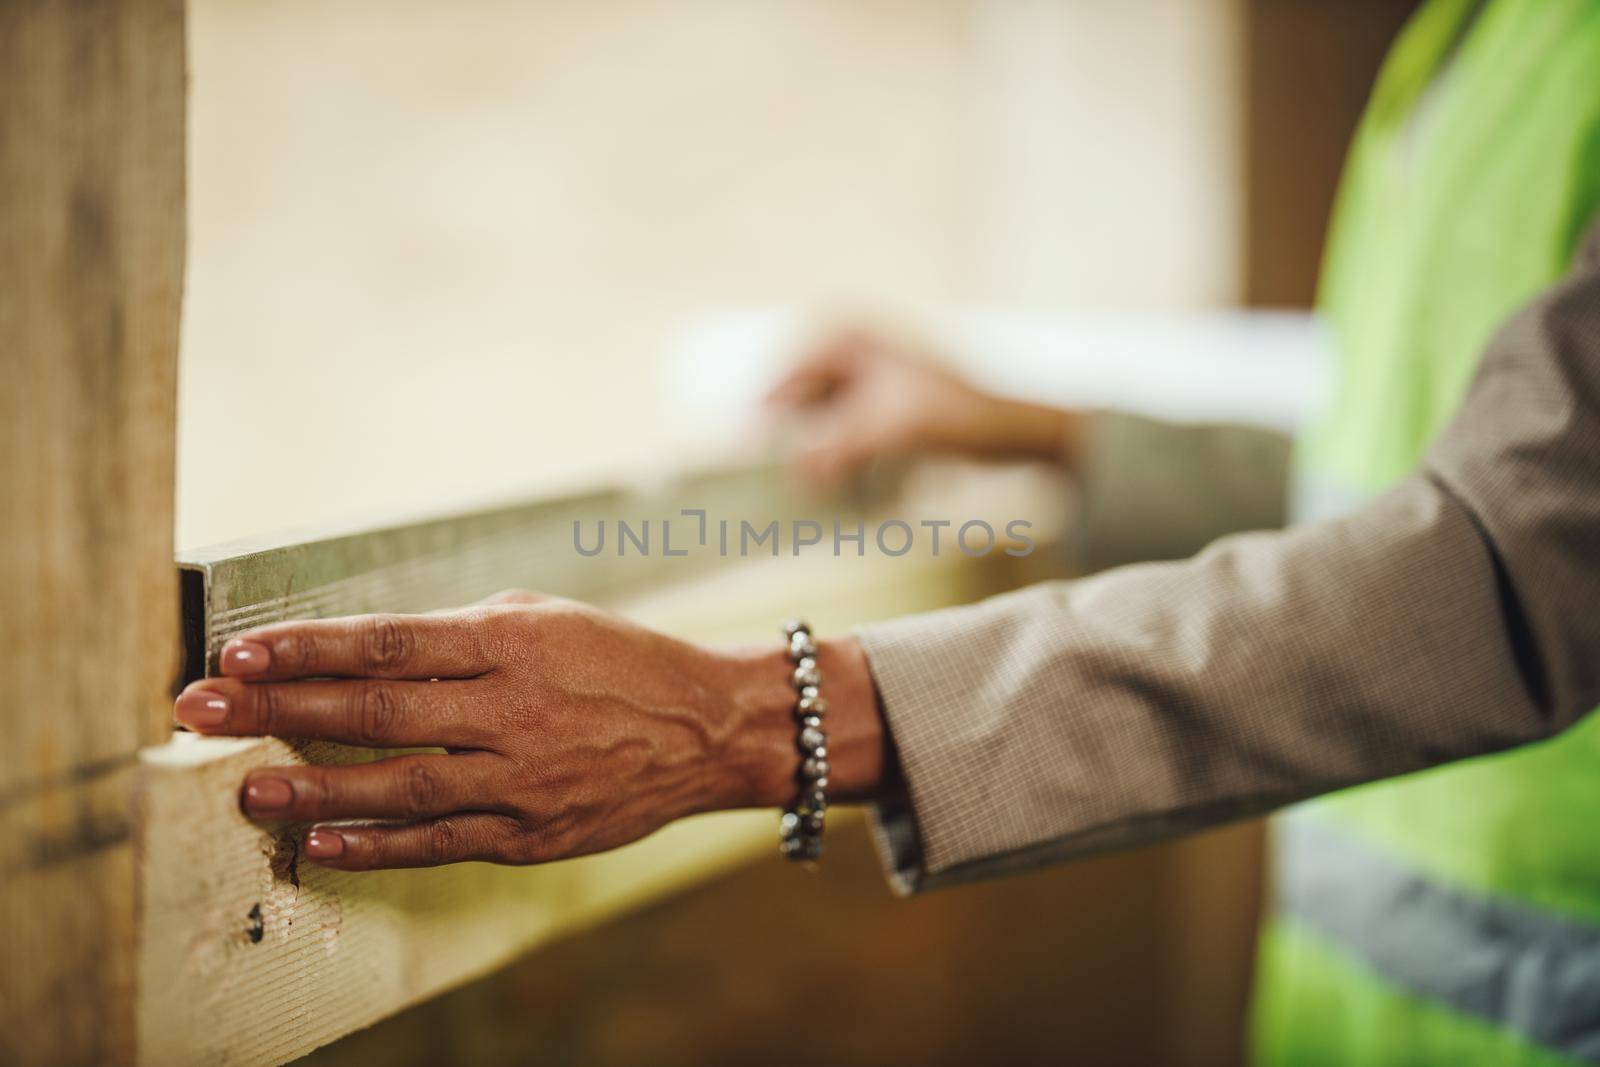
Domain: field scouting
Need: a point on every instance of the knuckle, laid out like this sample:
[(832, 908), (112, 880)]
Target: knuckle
[(375, 714), (375, 852), (492, 638), (388, 643), (316, 790), (441, 842), (495, 642), (269, 709), (423, 790), (501, 724), (301, 648)]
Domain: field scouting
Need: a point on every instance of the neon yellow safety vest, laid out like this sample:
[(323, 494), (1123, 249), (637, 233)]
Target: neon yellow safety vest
[(1452, 917)]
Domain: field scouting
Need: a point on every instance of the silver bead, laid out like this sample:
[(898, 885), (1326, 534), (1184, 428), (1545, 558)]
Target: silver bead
[(800, 826)]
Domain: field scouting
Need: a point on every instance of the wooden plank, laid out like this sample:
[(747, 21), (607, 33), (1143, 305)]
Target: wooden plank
[(92, 98), (251, 957), (456, 559)]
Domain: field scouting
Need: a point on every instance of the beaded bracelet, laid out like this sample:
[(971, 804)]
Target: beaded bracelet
[(800, 830)]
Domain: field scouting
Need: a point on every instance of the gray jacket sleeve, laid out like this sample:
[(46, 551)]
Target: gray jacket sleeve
[(1457, 614), (1154, 490)]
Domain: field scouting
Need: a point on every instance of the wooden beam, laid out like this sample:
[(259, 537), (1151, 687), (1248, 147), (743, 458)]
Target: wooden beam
[(450, 560), (251, 956), (92, 99)]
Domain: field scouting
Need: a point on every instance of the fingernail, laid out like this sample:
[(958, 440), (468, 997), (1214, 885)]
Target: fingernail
[(245, 657), (262, 796), (201, 709), (324, 845)]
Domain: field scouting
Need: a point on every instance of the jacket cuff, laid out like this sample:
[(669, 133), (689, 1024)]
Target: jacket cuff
[(925, 838)]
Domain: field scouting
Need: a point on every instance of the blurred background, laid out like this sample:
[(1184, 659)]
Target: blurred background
[(440, 253)]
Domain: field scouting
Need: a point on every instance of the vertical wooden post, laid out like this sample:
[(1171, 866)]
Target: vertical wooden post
[(92, 106)]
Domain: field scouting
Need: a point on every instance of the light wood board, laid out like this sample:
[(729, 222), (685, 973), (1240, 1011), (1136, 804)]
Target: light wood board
[(253, 958)]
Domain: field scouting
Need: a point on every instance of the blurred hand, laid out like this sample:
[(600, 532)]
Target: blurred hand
[(870, 396), (567, 730)]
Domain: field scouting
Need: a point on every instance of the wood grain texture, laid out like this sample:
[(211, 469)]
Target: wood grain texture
[(92, 99), (252, 957), (1078, 964), (440, 561)]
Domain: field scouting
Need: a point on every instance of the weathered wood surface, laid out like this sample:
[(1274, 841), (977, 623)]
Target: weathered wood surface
[(92, 99), (251, 957), (456, 559)]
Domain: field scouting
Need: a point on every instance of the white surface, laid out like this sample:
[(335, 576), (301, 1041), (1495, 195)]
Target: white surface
[(1266, 368), (435, 249)]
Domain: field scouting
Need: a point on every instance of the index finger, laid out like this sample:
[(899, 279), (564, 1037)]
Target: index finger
[(363, 646), (816, 373)]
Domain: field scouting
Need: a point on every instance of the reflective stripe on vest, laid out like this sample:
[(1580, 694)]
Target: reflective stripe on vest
[(1450, 915), (1527, 970)]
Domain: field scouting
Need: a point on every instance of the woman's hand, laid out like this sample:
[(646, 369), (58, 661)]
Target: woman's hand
[(567, 730), (871, 396)]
